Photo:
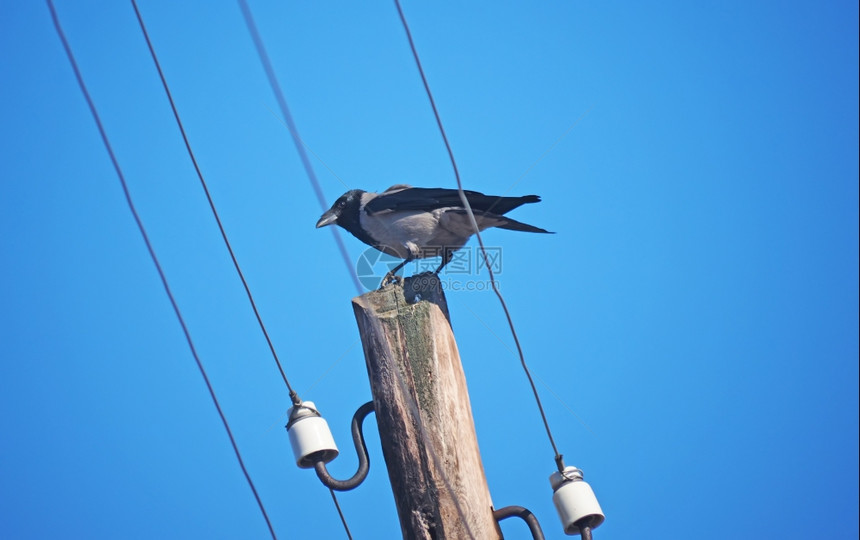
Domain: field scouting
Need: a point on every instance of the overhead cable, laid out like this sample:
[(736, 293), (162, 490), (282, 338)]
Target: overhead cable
[(294, 132), (154, 258), (293, 395), (465, 201)]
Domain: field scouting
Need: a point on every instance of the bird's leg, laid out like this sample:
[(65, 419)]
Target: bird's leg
[(447, 255), (391, 275)]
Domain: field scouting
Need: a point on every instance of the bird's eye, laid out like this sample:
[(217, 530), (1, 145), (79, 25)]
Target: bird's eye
[(341, 204)]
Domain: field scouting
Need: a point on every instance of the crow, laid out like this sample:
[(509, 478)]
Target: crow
[(418, 223)]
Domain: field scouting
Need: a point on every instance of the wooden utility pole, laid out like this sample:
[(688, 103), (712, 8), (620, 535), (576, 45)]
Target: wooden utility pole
[(423, 412)]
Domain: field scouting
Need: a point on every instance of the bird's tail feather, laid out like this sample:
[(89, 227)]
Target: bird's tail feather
[(514, 225), (503, 205)]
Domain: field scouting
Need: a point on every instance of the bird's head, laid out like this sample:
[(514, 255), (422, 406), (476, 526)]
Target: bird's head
[(345, 208)]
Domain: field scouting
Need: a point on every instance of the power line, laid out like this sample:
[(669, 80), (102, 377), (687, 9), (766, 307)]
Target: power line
[(340, 513), (300, 148), (154, 258), (293, 395), (465, 201), (294, 132)]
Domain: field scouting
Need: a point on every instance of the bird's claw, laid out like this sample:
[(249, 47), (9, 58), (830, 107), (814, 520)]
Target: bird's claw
[(390, 278)]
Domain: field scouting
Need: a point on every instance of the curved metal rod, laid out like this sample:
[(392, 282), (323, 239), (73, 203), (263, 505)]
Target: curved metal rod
[(360, 449), (585, 531), (525, 515)]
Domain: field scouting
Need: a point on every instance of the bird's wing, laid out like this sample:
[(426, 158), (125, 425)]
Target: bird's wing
[(395, 188), (429, 199)]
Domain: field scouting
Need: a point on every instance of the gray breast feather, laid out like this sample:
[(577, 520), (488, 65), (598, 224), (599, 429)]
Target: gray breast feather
[(419, 234), (402, 234)]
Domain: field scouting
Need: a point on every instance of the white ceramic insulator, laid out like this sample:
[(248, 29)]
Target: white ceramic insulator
[(311, 439), (574, 500)]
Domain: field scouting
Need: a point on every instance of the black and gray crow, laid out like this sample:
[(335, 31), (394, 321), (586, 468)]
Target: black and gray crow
[(417, 223)]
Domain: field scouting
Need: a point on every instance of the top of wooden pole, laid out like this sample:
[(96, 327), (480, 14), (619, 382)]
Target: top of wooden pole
[(411, 290)]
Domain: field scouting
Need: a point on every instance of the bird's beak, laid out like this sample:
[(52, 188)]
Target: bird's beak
[(328, 218)]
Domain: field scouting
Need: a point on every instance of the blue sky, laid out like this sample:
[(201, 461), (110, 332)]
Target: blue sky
[(693, 324)]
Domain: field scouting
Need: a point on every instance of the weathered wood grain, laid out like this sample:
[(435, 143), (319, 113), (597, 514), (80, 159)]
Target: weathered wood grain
[(423, 412)]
